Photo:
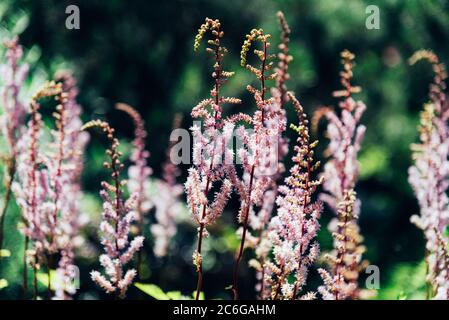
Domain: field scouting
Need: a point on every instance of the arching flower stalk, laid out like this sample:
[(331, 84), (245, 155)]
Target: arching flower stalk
[(12, 77), (340, 177), (259, 151), (118, 214), (258, 239), (47, 188), (168, 204), (73, 141), (38, 182), (211, 156), (429, 177), (139, 173), (293, 230)]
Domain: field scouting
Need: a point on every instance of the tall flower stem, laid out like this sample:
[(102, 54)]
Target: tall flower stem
[(262, 78), (13, 76), (211, 144), (117, 217), (138, 173), (208, 180)]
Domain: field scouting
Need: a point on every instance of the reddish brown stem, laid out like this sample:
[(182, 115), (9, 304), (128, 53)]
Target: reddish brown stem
[(115, 177), (245, 222), (208, 181)]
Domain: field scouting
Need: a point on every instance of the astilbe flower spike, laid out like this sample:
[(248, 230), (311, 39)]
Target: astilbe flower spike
[(259, 151), (117, 215), (429, 177), (168, 205), (30, 187), (258, 222), (41, 176), (293, 230), (210, 148), (340, 177), (12, 77), (139, 172), (73, 142), (47, 188)]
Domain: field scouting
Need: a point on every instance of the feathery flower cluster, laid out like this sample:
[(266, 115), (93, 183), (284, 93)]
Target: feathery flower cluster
[(429, 177), (39, 180), (13, 75), (72, 142), (258, 221), (293, 229), (259, 151), (139, 172), (345, 262), (211, 156), (168, 205), (284, 59), (118, 215), (340, 176), (47, 189)]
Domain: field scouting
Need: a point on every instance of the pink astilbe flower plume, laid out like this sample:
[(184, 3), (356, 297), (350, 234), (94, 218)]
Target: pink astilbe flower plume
[(139, 172), (40, 177), (168, 205), (258, 153), (73, 142), (12, 77), (258, 237), (47, 188), (211, 156), (293, 230), (429, 177), (340, 177), (118, 214)]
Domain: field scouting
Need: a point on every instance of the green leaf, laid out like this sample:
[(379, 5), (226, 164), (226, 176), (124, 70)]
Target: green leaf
[(153, 291), (175, 295)]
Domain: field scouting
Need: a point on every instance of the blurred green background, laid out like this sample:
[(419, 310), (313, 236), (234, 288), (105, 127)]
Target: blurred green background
[(141, 52)]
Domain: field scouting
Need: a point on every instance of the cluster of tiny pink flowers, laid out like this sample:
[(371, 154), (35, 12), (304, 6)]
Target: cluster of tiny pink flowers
[(293, 230), (429, 176), (211, 154), (167, 208), (71, 218), (47, 187), (40, 176), (12, 76), (139, 172), (168, 205), (117, 217), (258, 222), (340, 177), (258, 151)]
